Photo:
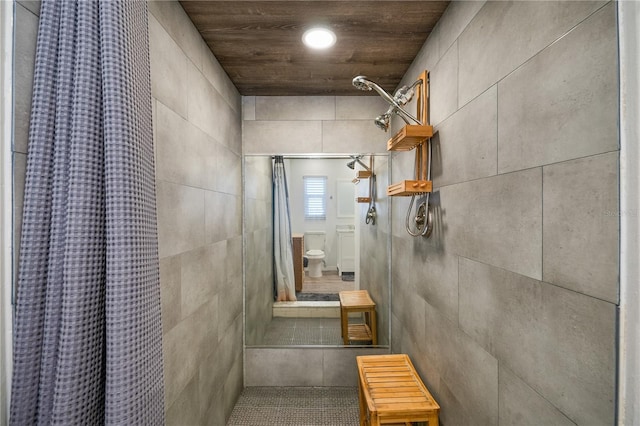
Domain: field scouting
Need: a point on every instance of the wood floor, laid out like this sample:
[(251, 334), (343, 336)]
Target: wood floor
[(328, 283)]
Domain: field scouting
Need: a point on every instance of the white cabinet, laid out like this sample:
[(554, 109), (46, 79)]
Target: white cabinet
[(346, 251)]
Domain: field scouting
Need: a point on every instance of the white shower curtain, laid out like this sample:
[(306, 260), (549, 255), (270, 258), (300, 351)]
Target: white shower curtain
[(285, 288)]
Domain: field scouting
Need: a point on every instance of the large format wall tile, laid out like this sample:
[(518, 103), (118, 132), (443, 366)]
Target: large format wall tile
[(209, 111), (353, 136), (248, 108), (497, 220), (230, 296), (168, 69), (432, 274), (185, 347), (170, 291), (179, 27), (226, 171), (26, 32), (581, 225), (182, 150), (185, 410), (468, 374), (426, 59), (32, 5), (521, 405), (217, 366), (359, 107), (19, 180), (280, 137), (223, 216), (560, 342), (266, 367), (339, 365), (290, 108), (217, 76), (180, 218), (563, 103), (203, 274), (443, 96), (452, 23), (503, 35), (465, 146), (438, 287), (406, 306)]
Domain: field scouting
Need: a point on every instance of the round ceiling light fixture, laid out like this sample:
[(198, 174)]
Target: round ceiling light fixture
[(319, 38)]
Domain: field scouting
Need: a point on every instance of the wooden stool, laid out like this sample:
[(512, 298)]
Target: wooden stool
[(358, 301), (391, 391)]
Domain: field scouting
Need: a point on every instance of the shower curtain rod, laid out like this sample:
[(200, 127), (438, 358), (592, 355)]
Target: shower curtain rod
[(317, 156)]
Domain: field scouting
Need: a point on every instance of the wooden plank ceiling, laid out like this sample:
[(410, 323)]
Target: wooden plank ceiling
[(258, 43)]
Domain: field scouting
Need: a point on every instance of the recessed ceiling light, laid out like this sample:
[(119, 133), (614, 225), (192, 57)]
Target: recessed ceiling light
[(319, 38)]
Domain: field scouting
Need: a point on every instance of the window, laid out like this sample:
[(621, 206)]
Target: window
[(315, 196)]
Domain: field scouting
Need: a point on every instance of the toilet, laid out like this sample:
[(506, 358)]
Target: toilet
[(314, 246)]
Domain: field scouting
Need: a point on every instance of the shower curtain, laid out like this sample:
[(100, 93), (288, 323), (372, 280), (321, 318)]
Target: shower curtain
[(285, 287), (88, 342)]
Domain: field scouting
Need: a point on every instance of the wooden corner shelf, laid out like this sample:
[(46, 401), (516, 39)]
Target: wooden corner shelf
[(410, 187), (409, 137), (363, 199), (364, 174)]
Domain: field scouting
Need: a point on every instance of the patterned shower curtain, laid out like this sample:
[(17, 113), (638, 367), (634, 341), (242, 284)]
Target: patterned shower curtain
[(285, 286), (88, 342)]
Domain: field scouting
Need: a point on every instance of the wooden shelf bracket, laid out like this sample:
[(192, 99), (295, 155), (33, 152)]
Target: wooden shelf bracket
[(417, 137)]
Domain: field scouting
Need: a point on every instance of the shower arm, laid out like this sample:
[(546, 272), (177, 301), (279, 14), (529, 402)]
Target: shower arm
[(397, 108), (362, 164)]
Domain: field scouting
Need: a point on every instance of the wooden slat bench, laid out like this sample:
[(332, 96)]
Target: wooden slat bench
[(390, 391), (358, 301)]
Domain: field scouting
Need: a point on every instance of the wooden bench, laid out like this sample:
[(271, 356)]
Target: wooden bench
[(390, 391), (358, 301)]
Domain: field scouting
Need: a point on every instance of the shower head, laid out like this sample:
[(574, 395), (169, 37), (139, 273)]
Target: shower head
[(356, 159), (382, 121), (363, 83), (403, 95)]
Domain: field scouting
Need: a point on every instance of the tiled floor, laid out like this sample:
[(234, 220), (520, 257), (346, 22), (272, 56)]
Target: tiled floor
[(303, 331), (296, 406)]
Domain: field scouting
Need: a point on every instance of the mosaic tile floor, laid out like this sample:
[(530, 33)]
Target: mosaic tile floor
[(303, 331), (296, 406)]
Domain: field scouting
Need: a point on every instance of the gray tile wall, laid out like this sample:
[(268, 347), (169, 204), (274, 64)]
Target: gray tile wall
[(197, 129), (314, 124), (509, 311), (305, 366), (258, 240)]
